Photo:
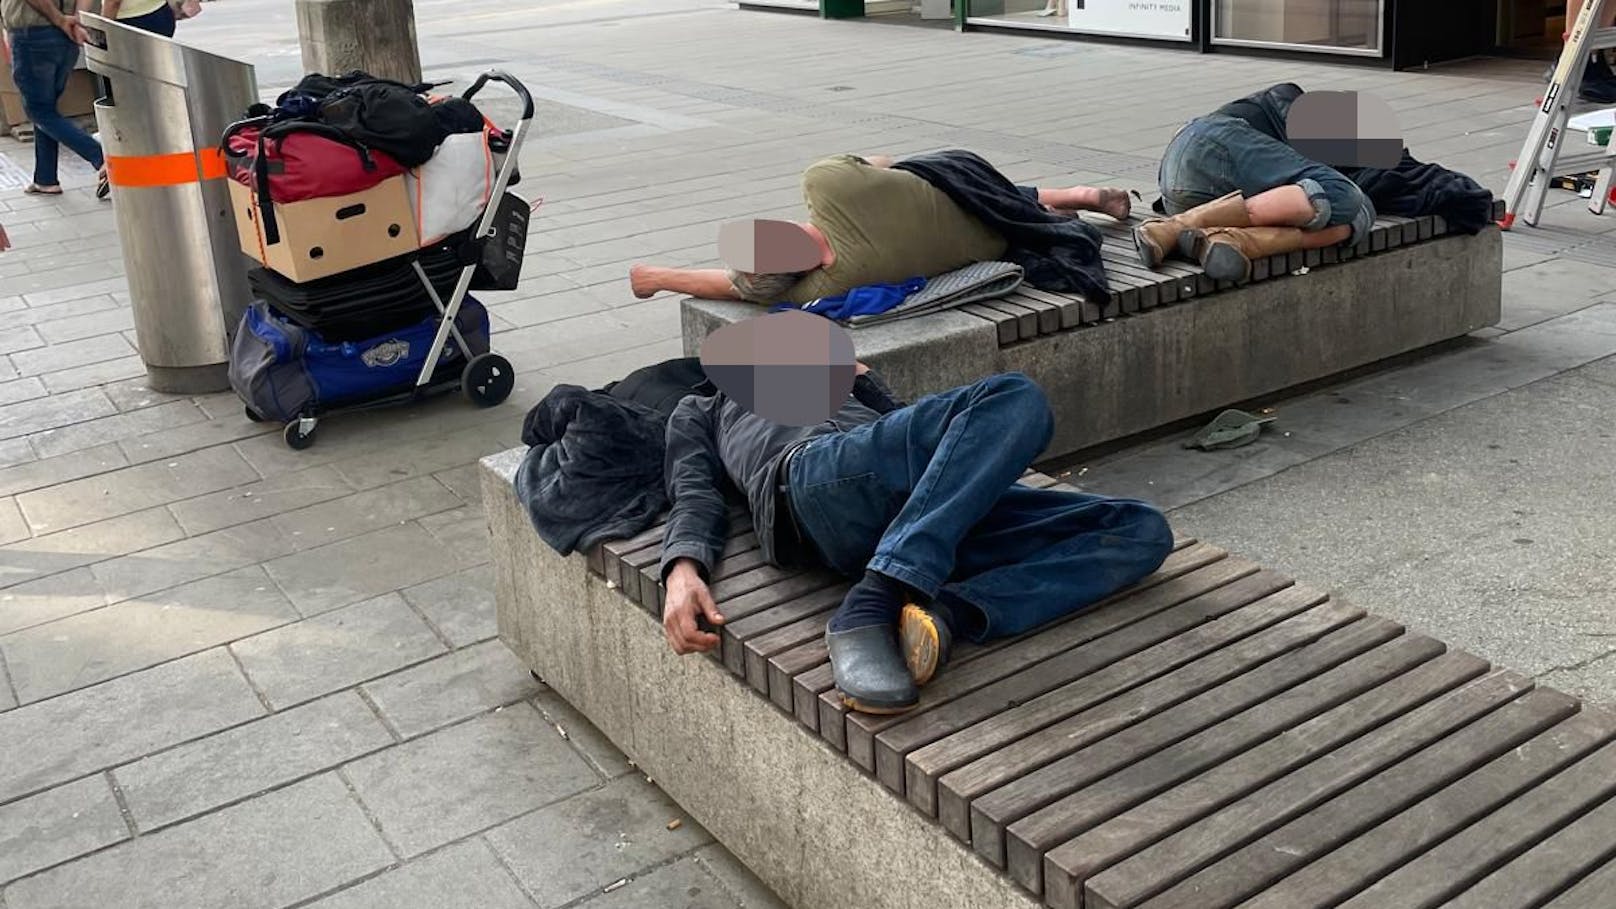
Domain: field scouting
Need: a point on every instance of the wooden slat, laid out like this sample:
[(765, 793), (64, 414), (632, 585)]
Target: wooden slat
[(763, 647), (1132, 605), (1086, 797), (1169, 678), (1320, 813), (1447, 869), (761, 611), (1005, 324), (1088, 673), (1026, 319), (1592, 892), (1407, 725), (1373, 854), (1049, 315), (1075, 310), (1564, 858)]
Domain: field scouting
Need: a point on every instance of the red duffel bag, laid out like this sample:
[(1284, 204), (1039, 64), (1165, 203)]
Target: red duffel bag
[(298, 159)]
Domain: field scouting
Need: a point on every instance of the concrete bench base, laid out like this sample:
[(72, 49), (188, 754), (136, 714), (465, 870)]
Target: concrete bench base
[(780, 799), (1135, 373)]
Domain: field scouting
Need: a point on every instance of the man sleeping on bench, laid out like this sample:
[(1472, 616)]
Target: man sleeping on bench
[(876, 221), (920, 503)]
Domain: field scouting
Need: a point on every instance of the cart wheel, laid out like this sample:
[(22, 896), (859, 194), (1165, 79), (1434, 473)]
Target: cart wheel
[(488, 379), (251, 415), (296, 436)]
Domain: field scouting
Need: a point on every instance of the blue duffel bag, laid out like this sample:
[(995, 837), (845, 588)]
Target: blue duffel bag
[(283, 371)]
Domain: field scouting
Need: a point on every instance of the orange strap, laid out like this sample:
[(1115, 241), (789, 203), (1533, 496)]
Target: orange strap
[(166, 170)]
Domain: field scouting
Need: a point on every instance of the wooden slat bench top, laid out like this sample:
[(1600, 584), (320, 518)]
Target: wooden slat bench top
[(1216, 736), (1030, 313)]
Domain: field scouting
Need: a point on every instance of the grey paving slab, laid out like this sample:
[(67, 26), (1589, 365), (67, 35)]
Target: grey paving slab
[(332, 651), (451, 687), (591, 743), (264, 499), (464, 874), (134, 488), (319, 580), (47, 471), (272, 851), (72, 354), (94, 374), (462, 534), (57, 825), (12, 525), (248, 759), (26, 389), (460, 605), (48, 598), (172, 564), (57, 410), (93, 646), (134, 394), (372, 509), (76, 328), (193, 434), (17, 338), (578, 846), (47, 743), (1549, 289), (14, 452), (161, 418), (686, 884), (467, 778), (62, 293), (737, 879)]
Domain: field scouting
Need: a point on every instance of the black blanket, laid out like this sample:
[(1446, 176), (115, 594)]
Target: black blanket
[(593, 471), (1056, 252)]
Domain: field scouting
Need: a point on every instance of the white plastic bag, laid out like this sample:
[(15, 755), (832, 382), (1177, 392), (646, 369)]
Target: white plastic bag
[(449, 192)]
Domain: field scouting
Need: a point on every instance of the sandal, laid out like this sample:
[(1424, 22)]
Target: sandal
[(103, 184), (34, 189)]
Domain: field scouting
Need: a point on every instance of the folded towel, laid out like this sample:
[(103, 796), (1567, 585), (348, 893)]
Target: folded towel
[(972, 284)]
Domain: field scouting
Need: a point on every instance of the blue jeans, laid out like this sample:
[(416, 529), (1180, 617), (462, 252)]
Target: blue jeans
[(41, 60), (927, 495), (1214, 156)]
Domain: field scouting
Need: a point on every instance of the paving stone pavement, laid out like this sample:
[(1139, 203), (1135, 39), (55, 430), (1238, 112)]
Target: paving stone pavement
[(236, 675)]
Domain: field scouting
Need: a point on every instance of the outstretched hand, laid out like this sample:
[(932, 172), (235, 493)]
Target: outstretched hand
[(688, 598)]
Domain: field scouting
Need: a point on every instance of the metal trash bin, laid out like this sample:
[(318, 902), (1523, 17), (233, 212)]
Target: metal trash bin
[(160, 125)]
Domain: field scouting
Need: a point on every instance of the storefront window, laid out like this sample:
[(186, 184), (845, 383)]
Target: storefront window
[(1353, 26), (1160, 19)]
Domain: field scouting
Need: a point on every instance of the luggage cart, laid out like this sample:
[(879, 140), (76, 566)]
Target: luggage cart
[(487, 378)]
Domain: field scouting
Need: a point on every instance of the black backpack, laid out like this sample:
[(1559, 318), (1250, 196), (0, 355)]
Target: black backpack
[(387, 116)]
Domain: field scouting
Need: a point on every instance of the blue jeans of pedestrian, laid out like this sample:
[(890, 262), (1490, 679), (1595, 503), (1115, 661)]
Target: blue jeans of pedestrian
[(42, 58), (1214, 156), (927, 495)]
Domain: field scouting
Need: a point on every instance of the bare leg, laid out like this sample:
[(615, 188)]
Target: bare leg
[(1329, 236), (706, 283), (882, 161), (1113, 202), (1285, 206)]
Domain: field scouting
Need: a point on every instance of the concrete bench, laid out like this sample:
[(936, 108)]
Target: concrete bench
[(1216, 736), (1173, 344)]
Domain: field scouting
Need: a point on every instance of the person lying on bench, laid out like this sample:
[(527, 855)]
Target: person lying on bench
[(919, 503), (1238, 189), (870, 222)]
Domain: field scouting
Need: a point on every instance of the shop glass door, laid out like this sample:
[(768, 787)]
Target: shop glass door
[(1325, 26)]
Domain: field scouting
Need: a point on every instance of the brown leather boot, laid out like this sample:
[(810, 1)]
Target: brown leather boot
[(1159, 238), (1227, 252)]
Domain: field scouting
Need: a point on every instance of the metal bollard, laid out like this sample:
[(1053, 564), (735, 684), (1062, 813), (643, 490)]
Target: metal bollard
[(160, 125)]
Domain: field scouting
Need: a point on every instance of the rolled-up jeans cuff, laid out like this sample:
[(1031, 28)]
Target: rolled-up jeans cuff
[(1321, 203)]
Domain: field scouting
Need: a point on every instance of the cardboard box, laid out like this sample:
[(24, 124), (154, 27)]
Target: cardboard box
[(78, 100), (324, 237)]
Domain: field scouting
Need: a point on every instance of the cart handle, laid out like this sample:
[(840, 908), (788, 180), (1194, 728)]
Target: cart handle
[(499, 75)]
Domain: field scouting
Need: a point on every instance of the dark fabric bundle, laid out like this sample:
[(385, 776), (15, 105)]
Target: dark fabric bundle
[(1057, 252), (1414, 188), (593, 471), (387, 116)]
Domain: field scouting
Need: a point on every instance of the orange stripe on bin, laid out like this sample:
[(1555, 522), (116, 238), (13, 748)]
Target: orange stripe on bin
[(165, 170)]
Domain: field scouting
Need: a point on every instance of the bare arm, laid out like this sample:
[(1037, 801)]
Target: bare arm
[(109, 8)]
